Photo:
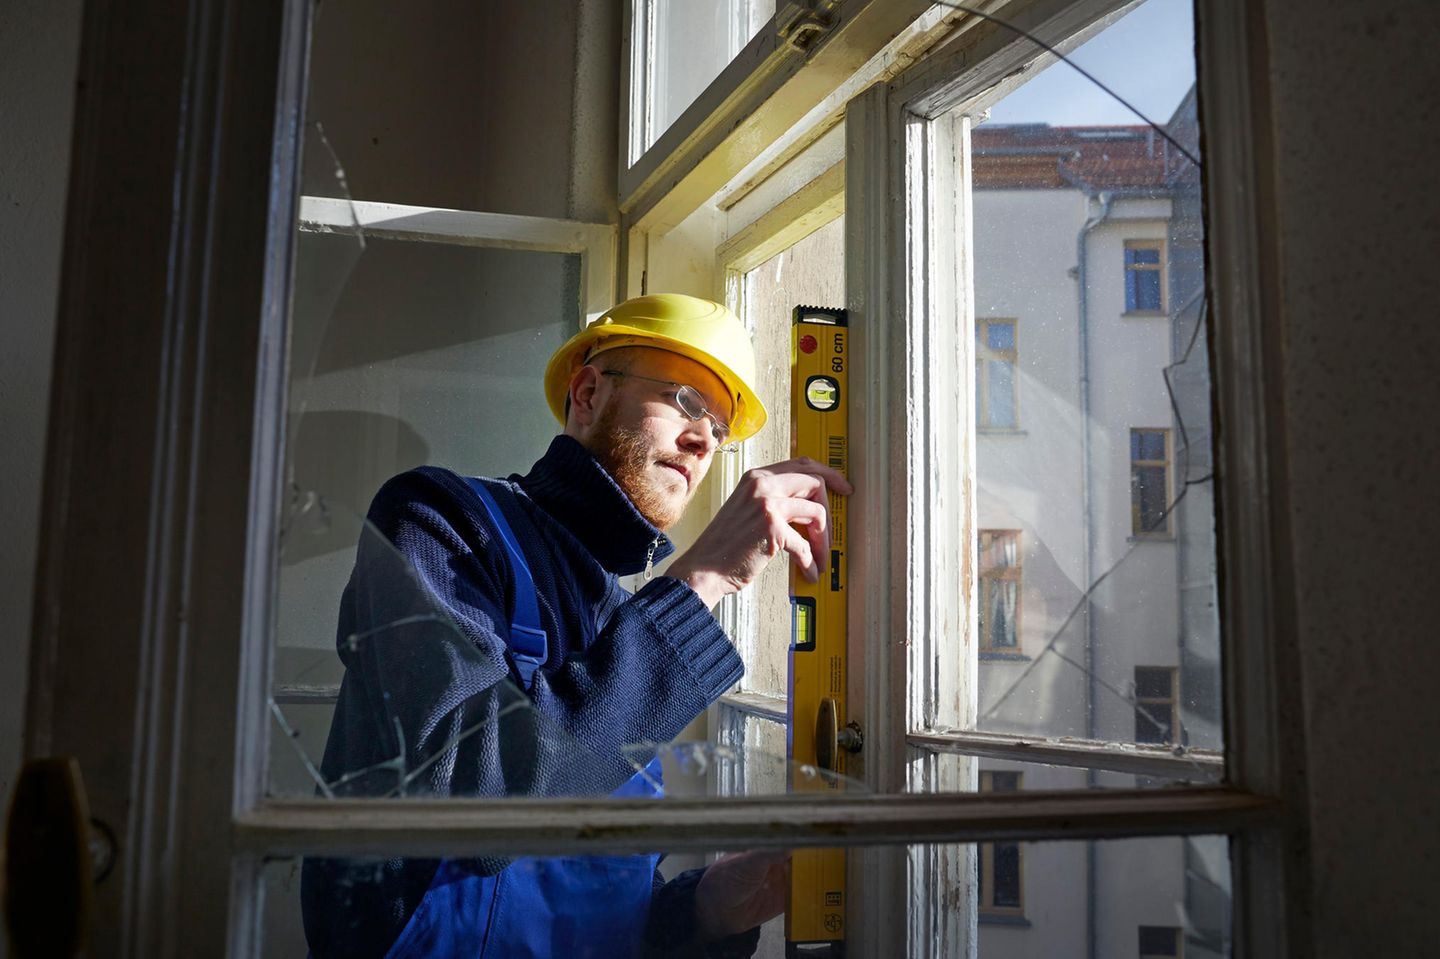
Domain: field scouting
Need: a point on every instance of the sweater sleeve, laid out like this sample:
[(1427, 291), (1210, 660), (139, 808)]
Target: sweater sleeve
[(429, 705)]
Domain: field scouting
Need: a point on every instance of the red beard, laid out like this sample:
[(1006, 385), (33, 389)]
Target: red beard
[(626, 456)]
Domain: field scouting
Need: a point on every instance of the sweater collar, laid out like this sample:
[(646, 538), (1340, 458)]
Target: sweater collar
[(571, 485)]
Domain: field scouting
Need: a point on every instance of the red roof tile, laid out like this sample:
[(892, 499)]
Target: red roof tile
[(1038, 156)]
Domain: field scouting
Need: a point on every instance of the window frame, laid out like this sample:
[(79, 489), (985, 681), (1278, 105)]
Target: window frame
[(985, 354), (987, 856), (766, 106), (1161, 267), (1137, 527), (645, 19), (222, 334), (1171, 704), (1239, 381), (988, 576)]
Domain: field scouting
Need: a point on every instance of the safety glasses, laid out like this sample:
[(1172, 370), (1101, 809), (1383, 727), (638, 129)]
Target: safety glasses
[(688, 400)]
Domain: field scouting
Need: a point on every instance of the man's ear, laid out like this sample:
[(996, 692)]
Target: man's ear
[(584, 385)]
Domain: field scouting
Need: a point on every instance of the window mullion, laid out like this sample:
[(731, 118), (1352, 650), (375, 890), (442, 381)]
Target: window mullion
[(874, 265), (943, 662), (470, 827)]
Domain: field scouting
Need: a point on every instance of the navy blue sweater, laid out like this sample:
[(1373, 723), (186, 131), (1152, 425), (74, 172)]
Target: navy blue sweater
[(429, 704)]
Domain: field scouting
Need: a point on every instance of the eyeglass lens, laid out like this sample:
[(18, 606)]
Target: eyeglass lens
[(693, 406)]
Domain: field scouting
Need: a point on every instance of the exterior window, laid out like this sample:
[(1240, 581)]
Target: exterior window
[(1155, 707), (1000, 590), (1002, 890), (1161, 942), (1144, 276), (995, 359), (1150, 482)]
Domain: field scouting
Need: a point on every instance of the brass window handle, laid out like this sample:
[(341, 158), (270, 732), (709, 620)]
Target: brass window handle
[(830, 737), (54, 854)]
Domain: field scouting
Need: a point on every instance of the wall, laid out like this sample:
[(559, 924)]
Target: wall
[(39, 54), (1356, 92)]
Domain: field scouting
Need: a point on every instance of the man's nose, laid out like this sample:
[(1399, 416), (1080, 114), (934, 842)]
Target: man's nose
[(698, 437)]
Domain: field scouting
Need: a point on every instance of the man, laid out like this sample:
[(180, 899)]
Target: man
[(648, 394)]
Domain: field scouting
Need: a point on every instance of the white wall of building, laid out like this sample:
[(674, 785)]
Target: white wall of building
[(1031, 479), (1135, 609), (1034, 479)]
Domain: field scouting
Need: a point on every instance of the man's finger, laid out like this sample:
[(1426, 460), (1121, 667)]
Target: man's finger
[(819, 537), (800, 553), (802, 485), (814, 521), (794, 509), (833, 478)]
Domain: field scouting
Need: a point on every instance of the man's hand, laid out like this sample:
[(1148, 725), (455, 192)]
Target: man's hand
[(740, 891), (758, 522)]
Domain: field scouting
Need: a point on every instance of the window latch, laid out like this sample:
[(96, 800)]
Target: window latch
[(801, 22)]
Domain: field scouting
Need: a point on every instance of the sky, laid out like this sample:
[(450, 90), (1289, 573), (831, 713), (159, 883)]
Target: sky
[(1148, 57)]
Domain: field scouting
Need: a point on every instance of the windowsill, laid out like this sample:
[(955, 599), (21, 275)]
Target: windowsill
[(1002, 919), (996, 656), (1000, 431), (1146, 314), (1151, 538)]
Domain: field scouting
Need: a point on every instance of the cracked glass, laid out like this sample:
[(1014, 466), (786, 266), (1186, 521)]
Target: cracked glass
[(387, 682), (1096, 620)]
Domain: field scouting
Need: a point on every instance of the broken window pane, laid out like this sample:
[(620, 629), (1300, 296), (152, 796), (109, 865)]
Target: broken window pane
[(1001, 900), (428, 708), (1089, 288)]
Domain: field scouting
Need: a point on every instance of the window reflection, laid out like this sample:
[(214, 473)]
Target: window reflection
[(1092, 401)]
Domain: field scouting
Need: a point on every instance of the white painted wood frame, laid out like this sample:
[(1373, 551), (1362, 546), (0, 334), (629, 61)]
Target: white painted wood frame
[(769, 103), (593, 242)]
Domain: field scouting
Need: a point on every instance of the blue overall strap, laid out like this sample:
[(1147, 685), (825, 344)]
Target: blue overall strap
[(527, 642)]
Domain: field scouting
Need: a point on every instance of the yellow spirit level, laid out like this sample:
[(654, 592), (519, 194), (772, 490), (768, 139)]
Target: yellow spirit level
[(819, 429)]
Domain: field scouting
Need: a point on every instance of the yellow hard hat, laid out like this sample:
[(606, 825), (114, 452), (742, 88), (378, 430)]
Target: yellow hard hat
[(706, 332)]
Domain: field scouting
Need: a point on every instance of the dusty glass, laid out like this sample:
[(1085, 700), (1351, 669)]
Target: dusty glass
[(1096, 603), (1153, 898)]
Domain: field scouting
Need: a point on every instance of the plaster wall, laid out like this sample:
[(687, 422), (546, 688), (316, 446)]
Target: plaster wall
[(39, 56), (1054, 890), (1142, 883), (1356, 95)]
